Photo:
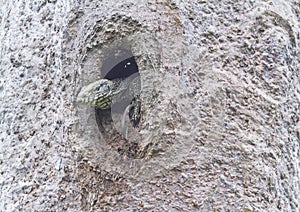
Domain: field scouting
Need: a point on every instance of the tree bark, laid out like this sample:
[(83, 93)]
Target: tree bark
[(220, 106)]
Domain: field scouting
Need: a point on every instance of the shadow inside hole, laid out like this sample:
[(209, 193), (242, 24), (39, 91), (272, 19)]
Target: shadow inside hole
[(119, 63)]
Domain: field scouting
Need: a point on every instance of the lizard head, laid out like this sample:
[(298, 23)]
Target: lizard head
[(97, 94)]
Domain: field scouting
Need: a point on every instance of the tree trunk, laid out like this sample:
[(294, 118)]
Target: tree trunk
[(220, 95)]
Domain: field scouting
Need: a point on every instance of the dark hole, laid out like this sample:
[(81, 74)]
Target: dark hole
[(118, 63)]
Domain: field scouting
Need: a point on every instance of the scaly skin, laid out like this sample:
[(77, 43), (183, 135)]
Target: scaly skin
[(103, 93)]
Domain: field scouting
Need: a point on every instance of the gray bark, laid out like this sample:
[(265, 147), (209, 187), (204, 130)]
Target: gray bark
[(220, 106)]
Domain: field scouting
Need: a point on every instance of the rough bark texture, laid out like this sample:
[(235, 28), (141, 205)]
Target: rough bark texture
[(220, 106)]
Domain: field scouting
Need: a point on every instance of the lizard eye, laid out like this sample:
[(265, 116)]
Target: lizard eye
[(107, 88), (103, 87)]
